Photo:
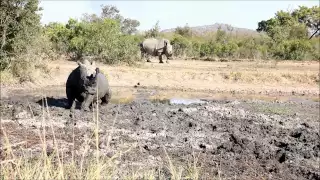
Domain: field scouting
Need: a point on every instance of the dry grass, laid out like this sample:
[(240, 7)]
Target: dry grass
[(79, 165), (197, 75), (7, 78)]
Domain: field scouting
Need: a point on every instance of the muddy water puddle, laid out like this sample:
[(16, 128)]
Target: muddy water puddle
[(179, 101), (123, 95)]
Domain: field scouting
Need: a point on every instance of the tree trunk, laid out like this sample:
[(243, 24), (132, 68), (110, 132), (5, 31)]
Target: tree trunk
[(314, 33)]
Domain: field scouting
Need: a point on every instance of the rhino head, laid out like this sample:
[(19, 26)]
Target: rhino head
[(87, 69), (87, 72), (91, 85), (168, 49)]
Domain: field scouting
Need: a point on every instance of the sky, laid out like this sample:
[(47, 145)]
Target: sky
[(241, 14)]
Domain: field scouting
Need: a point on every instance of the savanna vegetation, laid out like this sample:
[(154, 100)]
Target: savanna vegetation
[(26, 45)]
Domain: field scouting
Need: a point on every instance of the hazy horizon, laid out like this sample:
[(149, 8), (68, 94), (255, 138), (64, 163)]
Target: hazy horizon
[(240, 14)]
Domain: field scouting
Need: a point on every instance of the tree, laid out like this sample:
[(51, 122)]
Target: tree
[(128, 26), (90, 17), (290, 32), (181, 45), (303, 18), (111, 12), (154, 31), (278, 27), (106, 37), (59, 35), (310, 17), (221, 36), (19, 25), (185, 31)]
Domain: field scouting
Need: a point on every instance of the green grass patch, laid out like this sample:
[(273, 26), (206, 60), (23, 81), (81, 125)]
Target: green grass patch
[(274, 110)]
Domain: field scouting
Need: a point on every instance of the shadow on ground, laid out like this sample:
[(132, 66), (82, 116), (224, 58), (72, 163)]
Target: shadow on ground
[(55, 102)]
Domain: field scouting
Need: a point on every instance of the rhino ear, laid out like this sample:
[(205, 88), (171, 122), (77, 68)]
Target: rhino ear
[(79, 63), (166, 42)]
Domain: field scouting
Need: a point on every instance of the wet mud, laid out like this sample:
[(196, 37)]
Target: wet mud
[(233, 139)]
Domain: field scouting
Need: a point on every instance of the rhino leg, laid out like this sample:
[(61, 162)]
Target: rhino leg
[(106, 98), (142, 55), (84, 106), (72, 108), (160, 58), (70, 102), (167, 61), (148, 58), (70, 97), (86, 102)]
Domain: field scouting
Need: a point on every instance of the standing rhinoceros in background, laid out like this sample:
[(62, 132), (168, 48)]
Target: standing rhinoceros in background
[(156, 47), (76, 85), (101, 83)]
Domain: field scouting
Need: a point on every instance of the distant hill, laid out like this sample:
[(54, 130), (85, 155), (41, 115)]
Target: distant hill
[(214, 27)]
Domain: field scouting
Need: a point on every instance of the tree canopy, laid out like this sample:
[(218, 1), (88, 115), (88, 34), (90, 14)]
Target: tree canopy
[(302, 21)]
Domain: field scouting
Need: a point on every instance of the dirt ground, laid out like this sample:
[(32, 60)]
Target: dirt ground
[(247, 121), (264, 78)]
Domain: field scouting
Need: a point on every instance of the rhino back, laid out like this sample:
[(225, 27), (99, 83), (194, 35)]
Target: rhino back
[(150, 45), (160, 43), (155, 44), (73, 78)]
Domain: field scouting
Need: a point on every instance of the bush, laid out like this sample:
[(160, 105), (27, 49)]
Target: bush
[(195, 49), (103, 39), (315, 52), (205, 50), (17, 33), (59, 36), (24, 45), (125, 50), (293, 49), (283, 37), (28, 65), (182, 46), (223, 45)]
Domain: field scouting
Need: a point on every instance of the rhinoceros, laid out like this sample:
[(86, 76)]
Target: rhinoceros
[(100, 83), (156, 47), (77, 82)]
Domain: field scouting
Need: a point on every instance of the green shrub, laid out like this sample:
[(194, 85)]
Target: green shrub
[(103, 39), (59, 36), (28, 65), (25, 48), (293, 49), (182, 46)]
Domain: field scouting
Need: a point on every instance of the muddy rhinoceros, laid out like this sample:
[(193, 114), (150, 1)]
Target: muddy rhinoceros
[(77, 82), (156, 47), (97, 88)]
